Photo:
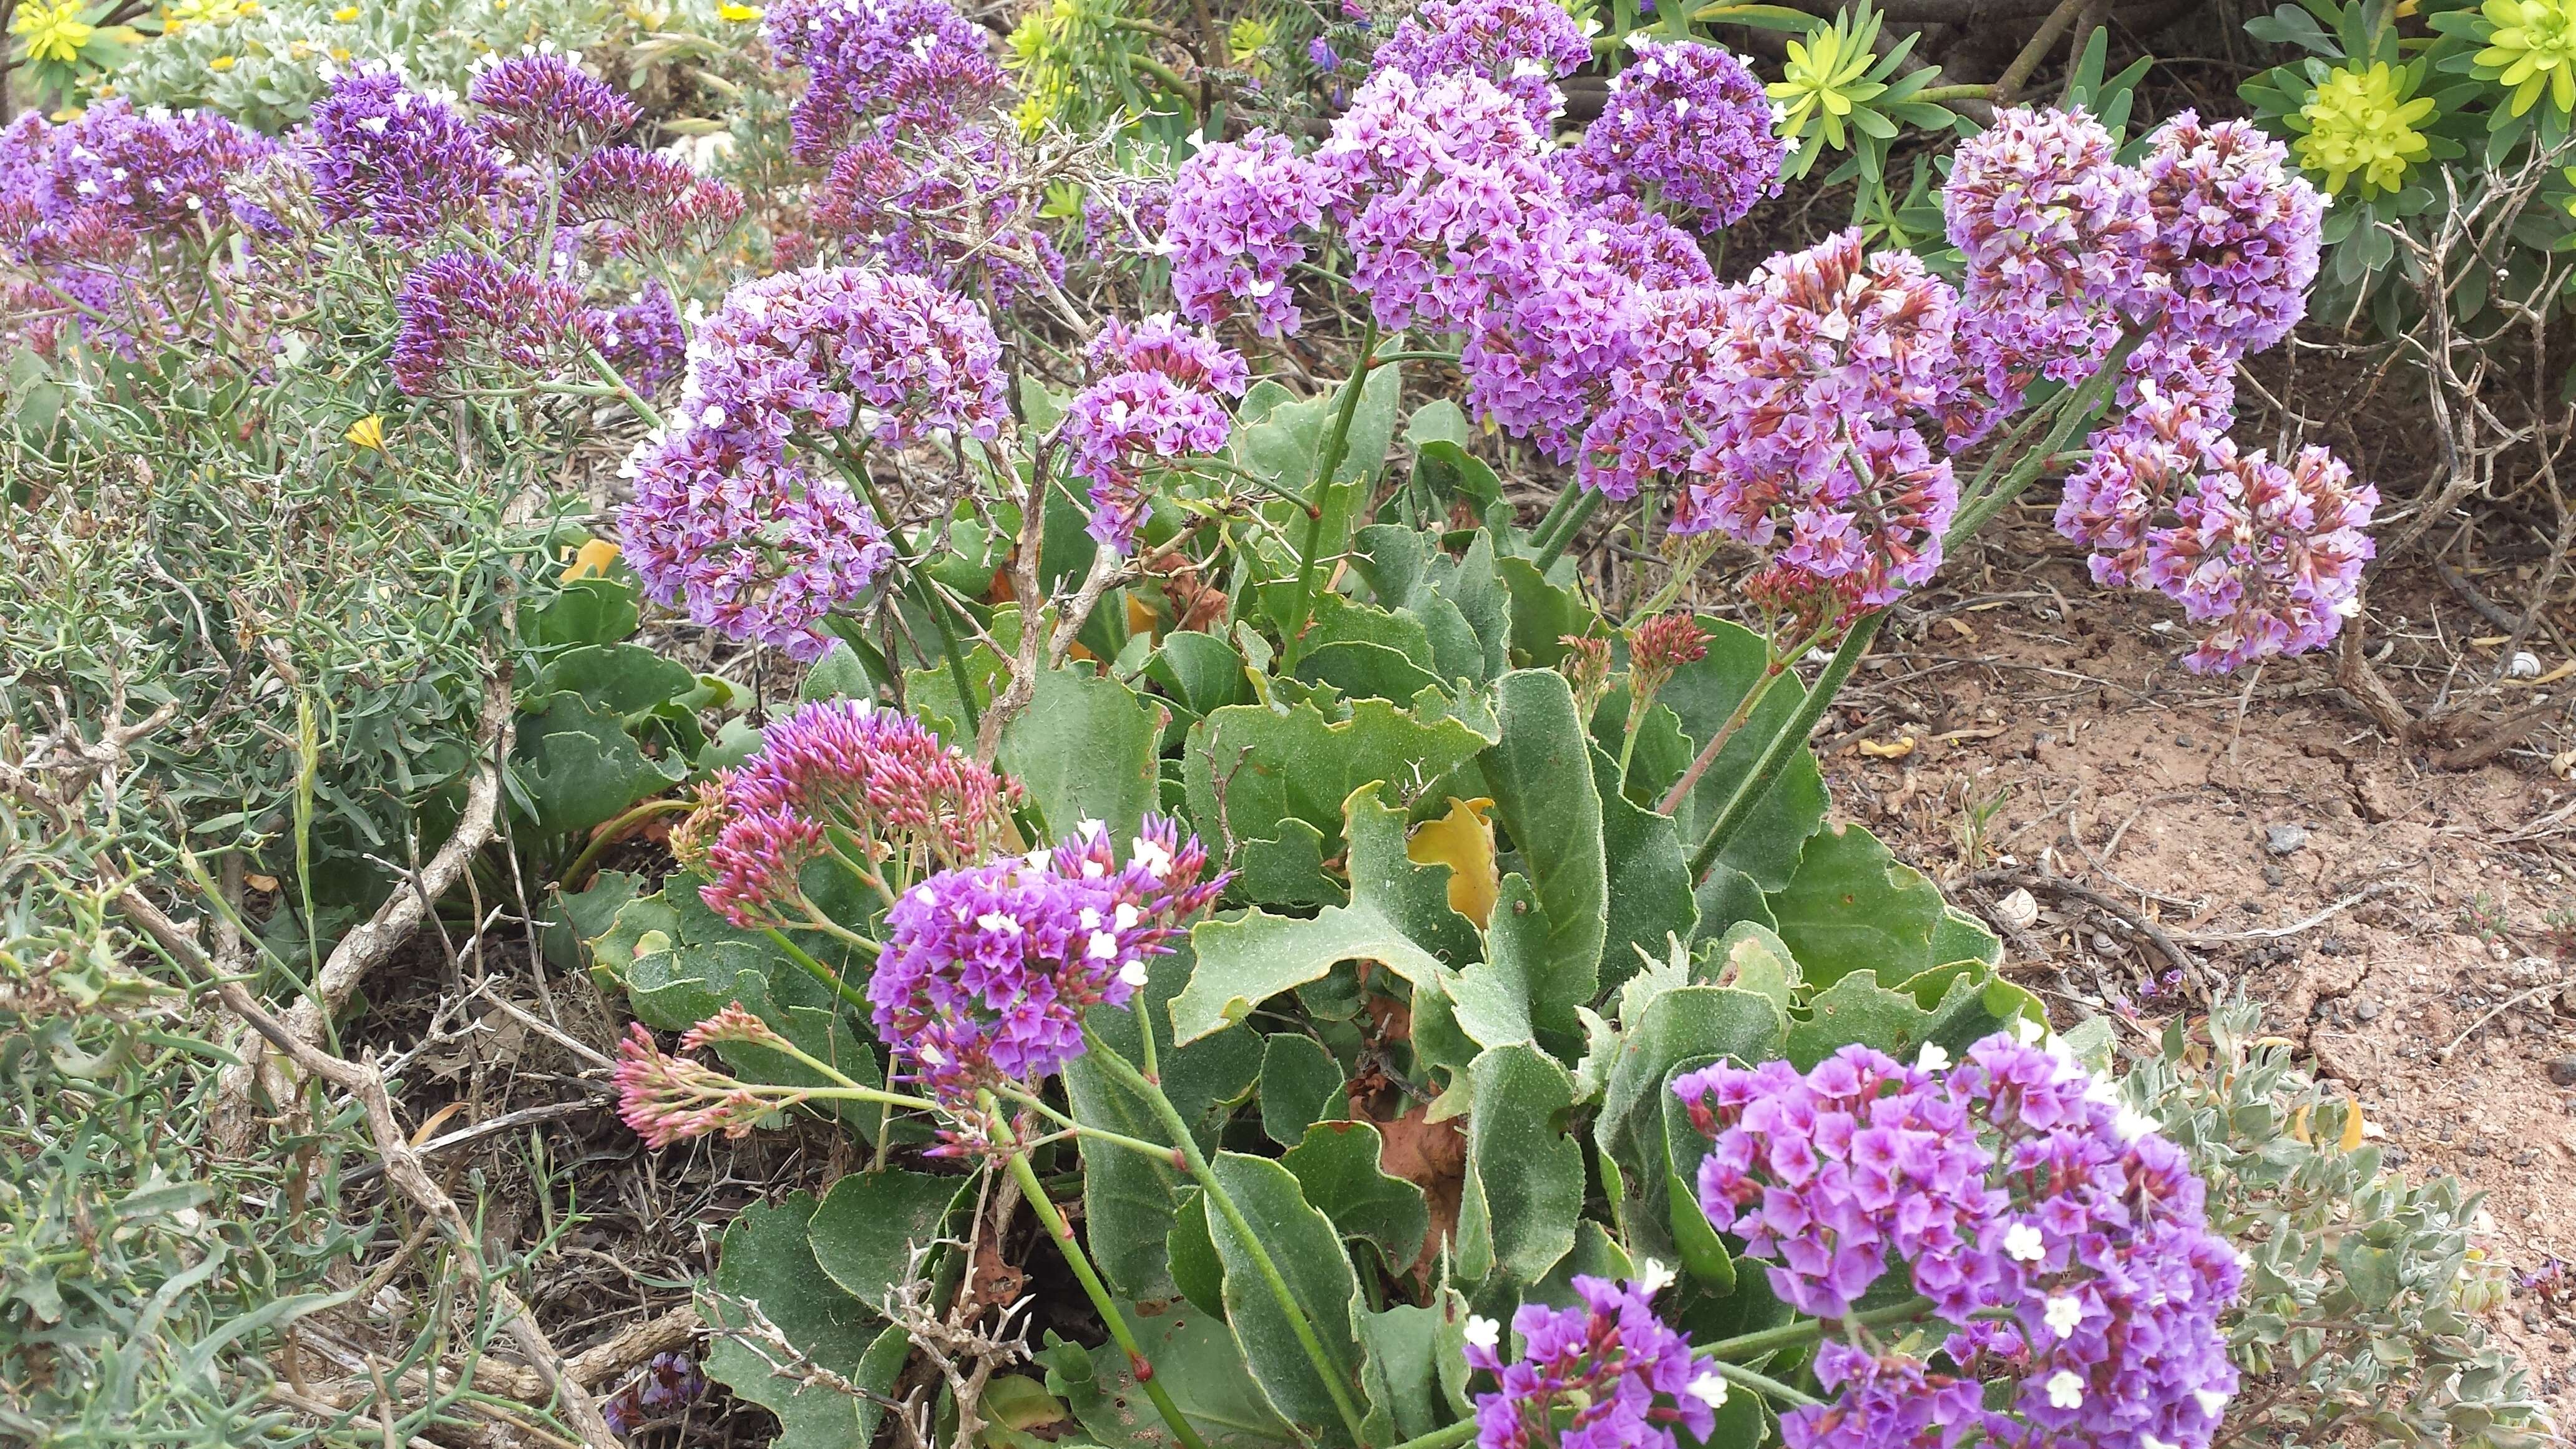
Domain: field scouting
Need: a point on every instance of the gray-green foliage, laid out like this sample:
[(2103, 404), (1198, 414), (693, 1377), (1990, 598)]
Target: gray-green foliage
[(2363, 1290)]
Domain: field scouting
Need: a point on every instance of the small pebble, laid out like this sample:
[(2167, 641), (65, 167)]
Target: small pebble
[(2525, 1158), (2285, 839), (2103, 943), (2273, 877), (2394, 1157), (2563, 1072), (2367, 1011), (2183, 740)]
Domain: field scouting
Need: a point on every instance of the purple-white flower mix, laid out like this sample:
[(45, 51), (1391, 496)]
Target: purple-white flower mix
[(398, 162), (954, 209), (1687, 124), (1522, 46), (838, 778), (1607, 1374), (466, 312), (2063, 1239), (1231, 224), (539, 106), (885, 66), (729, 513), (648, 202), (1155, 406), (987, 970)]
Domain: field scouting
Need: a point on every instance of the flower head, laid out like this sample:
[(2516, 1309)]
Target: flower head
[(891, 65), (2237, 234), (956, 210), (1129, 422), (2531, 49), (669, 1099), (542, 104), (469, 311), (986, 971), (642, 338), (1161, 344), (53, 30), (1608, 1374), (644, 202), (1659, 647), (2268, 557), (2361, 125), (1687, 124), (1231, 228), (401, 162), (1522, 46)]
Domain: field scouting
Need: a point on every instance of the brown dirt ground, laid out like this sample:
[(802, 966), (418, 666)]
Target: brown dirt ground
[(2397, 935)]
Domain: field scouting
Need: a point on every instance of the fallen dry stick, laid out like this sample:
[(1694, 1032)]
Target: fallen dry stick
[(402, 913), (402, 1163)]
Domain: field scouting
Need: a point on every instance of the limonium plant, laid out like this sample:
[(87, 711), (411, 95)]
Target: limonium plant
[(1174, 810)]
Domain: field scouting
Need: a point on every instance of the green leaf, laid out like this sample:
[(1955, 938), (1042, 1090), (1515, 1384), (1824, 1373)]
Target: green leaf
[(1524, 1184), (1540, 775), (1200, 672), (1128, 1198), (574, 766), (1729, 898), (1852, 907), (767, 1259), (1856, 1009), (1687, 1023), (1339, 620), (863, 1232), (1277, 764), (1958, 936), (1301, 1085), (621, 678), (584, 611), (1404, 1345), (1751, 957), (1247, 959), (1465, 614), (1196, 1269), (1085, 749), (1337, 1167), (1703, 696), (1199, 1365), (2371, 1272), (1653, 901), (1308, 1254), (1365, 671), (839, 674), (1543, 613)]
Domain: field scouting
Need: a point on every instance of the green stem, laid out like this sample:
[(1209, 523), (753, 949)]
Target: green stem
[(1137, 1145), (820, 972), (1449, 1437), (609, 375), (1555, 513), (2077, 411), (1567, 527), (609, 834), (1763, 1384), (1080, 1262), (1262, 1263), (1717, 742), (1791, 738), (1328, 461), (1936, 95), (1807, 1330)]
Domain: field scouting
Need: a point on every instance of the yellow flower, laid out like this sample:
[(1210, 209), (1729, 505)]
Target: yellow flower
[(367, 432), (54, 32), (183, 13), (1825, 79), (591, 561), (2361, 123), (221, 62), (2531, 46), (345, 14), (738, 14)]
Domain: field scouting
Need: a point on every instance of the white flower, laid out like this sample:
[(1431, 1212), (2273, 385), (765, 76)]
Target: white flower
[(1090, 828), (2027, 1031), (1090, 919), (2212, 1402), (1039, 859), (931, 1057), (2063, 1314), (1002, 922), (1103, 947), (1127, 916), (1133, 973), (713, 417), (1932, 1058), (2131, 1123), (1483, 1333), (1653, 1277), (1709, 1388), (2065, 1389), (2022, 1243), (1156, 860)]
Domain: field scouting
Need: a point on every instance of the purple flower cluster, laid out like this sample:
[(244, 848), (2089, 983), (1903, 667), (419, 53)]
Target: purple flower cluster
[(402, 163), (987, 970), (670, 1381), (1607, 1375), (643, 339), (1231, 224), (539, 105), (467, 312), (2054, 231), (2065, 1240), (727, 514), (2237, 232), (839, 775), (2267, 557), (1427, 174), (955, 210), (1522, 46), (648, 202), (1833, 362), (1153, 404), (890, 65), (1688, 125)]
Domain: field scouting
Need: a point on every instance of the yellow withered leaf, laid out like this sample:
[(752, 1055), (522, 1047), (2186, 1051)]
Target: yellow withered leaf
[(1462, 840), (1895, 749), (1140, 617), (591, 561)]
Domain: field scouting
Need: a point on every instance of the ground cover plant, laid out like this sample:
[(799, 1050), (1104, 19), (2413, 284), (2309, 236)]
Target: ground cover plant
[(1416, 1004)]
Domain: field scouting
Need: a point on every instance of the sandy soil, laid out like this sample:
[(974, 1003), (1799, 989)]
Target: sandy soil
[(2393, 917)]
